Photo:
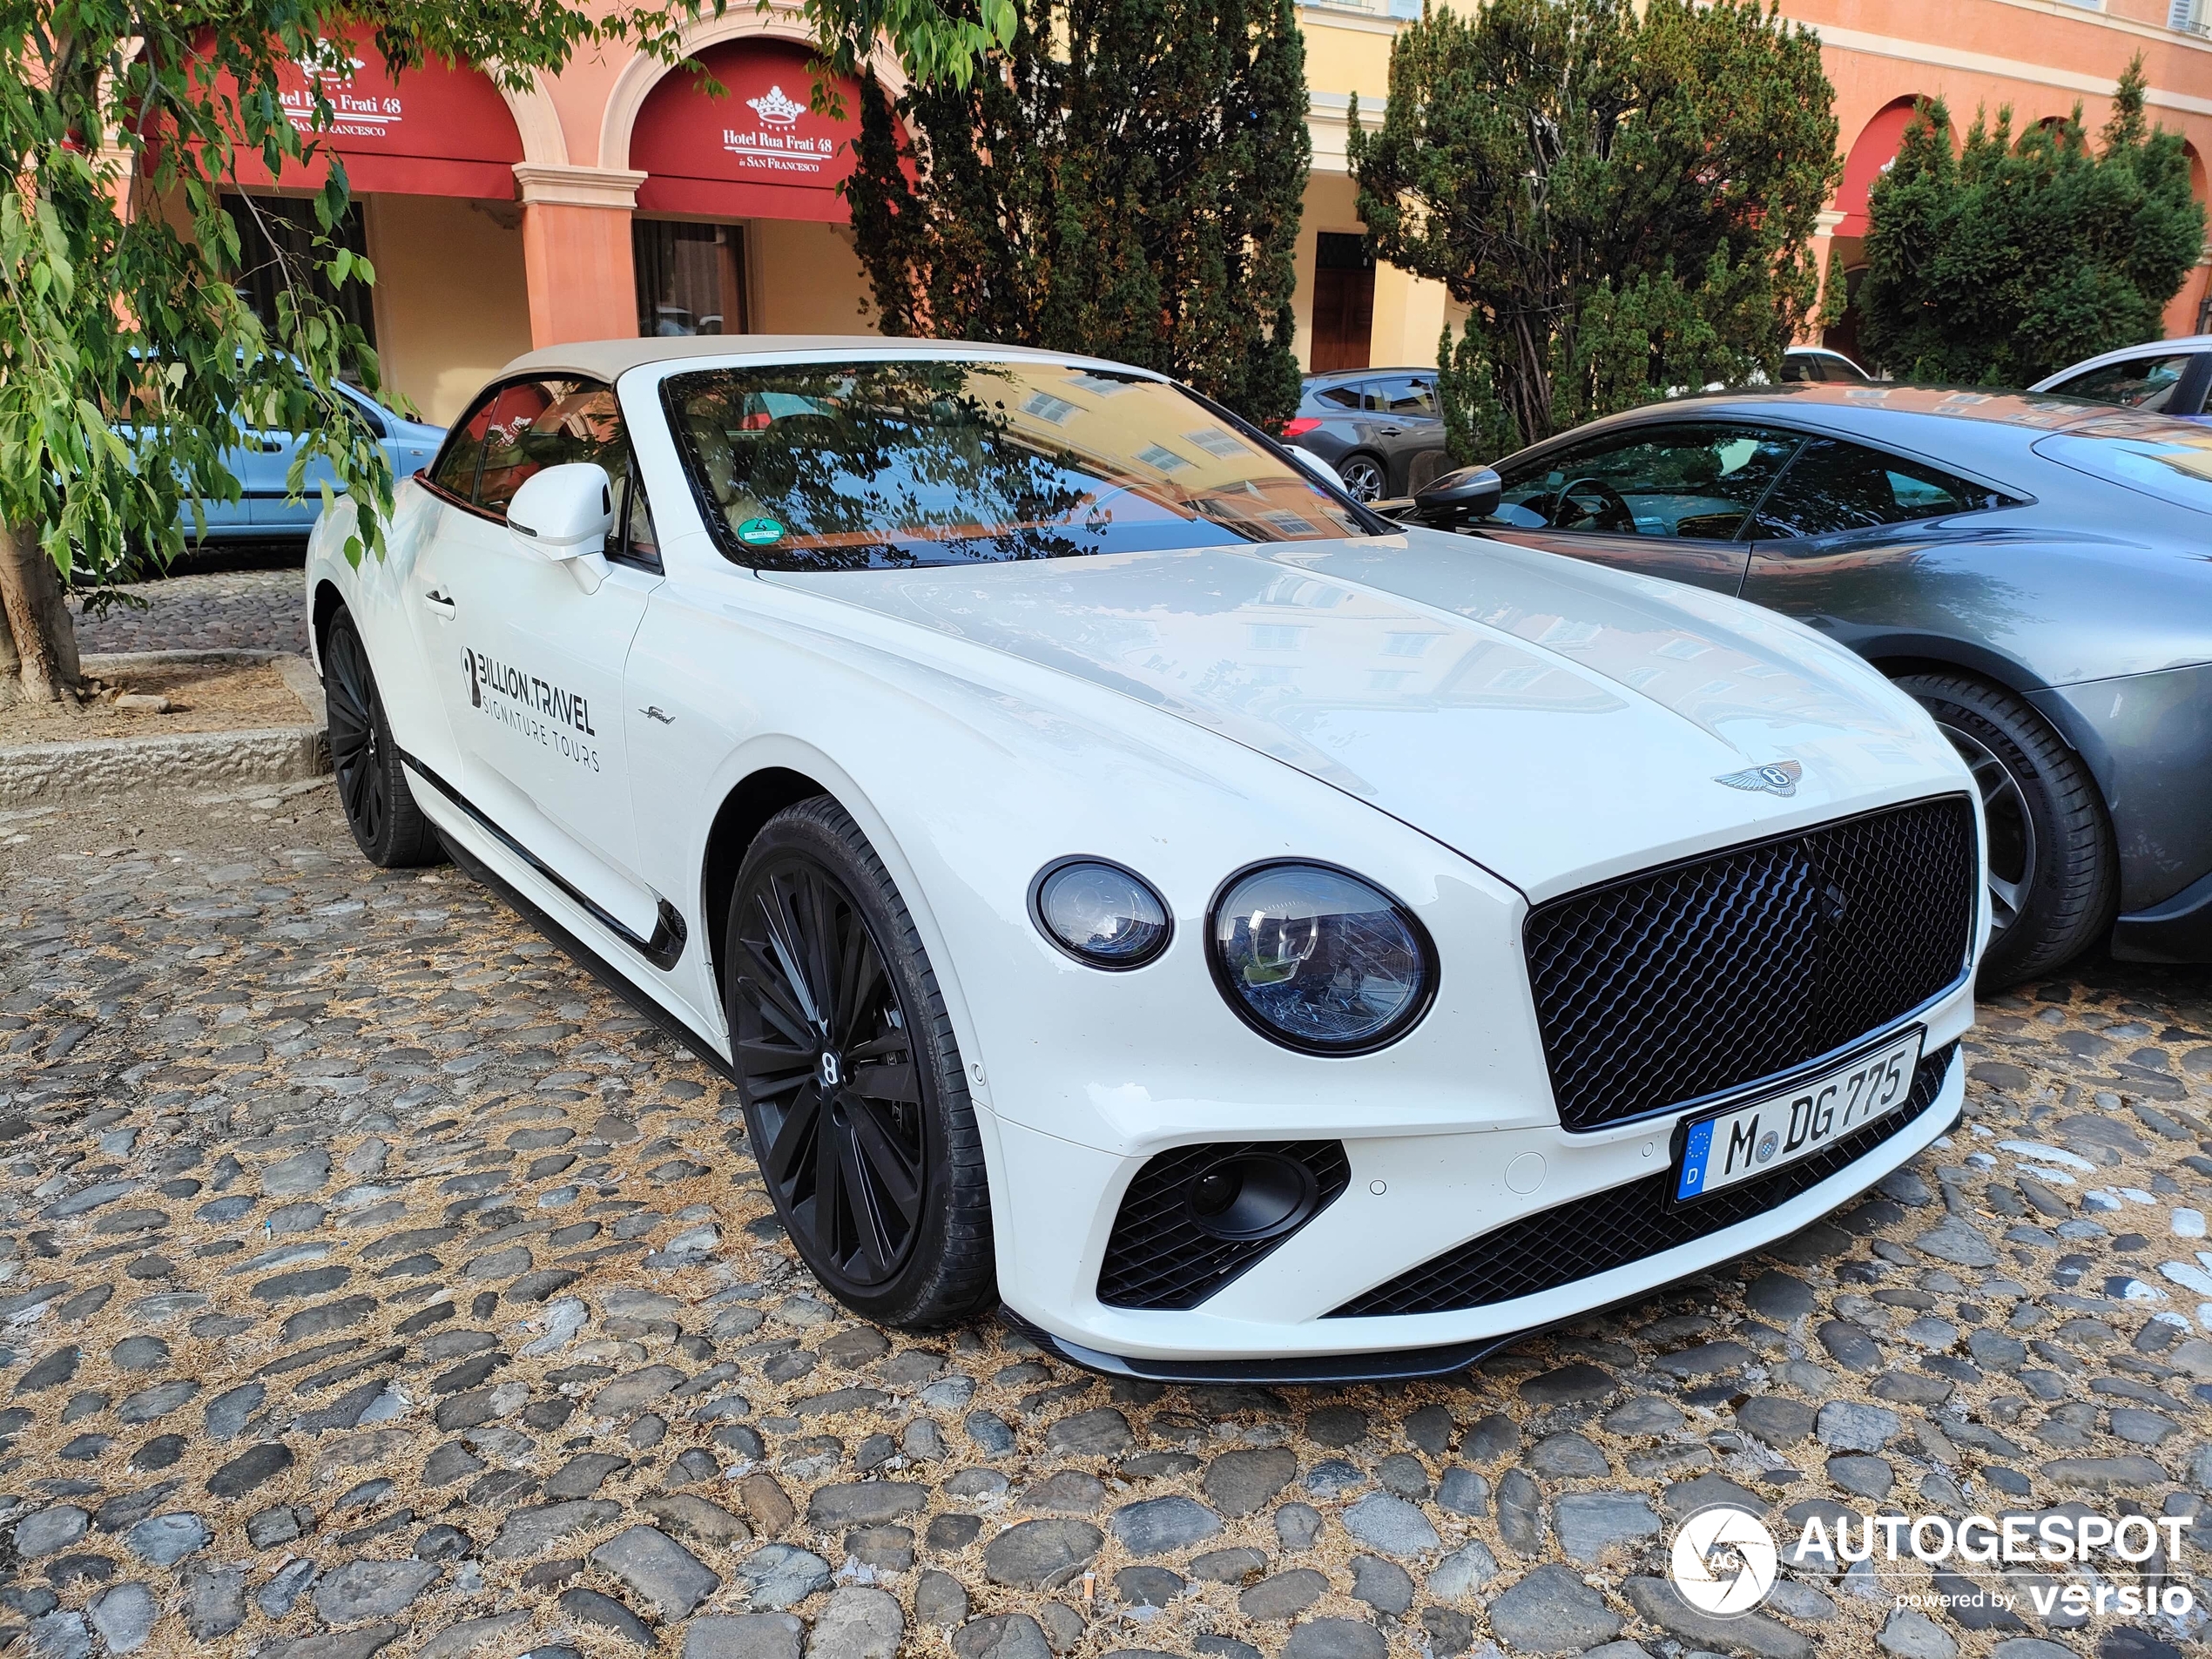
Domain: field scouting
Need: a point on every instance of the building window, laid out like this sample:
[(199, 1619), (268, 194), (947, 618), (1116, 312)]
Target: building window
[(1344, 301), (276, 247), (691, 278)]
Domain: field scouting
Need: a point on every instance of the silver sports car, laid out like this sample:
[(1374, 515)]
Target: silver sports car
[(2032, 568)]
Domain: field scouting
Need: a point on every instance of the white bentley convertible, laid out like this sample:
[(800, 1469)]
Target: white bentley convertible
[(1128, 881)]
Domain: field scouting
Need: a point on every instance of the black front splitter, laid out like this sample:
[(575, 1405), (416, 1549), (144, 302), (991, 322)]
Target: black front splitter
[(1402, 1364)]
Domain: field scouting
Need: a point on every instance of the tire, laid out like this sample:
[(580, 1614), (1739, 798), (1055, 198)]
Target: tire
[(378, 803), (1364, 476), (847, 1068), (2053, 875)]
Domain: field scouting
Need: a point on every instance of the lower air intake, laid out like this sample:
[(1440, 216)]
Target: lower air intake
[(1621, 1224), (1197, 1217)]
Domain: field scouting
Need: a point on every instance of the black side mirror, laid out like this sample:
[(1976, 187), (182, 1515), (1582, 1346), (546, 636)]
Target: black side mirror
[(1472, 492)]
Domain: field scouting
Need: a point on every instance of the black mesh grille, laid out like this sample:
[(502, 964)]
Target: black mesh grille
[(1620, 1225), (1705, 976), (1158, 1257)]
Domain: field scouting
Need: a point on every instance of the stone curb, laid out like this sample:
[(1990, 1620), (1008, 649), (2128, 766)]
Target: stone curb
[(110, 765)]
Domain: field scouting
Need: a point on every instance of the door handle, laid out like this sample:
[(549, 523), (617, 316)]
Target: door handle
[(440, 604), (1392, 431)]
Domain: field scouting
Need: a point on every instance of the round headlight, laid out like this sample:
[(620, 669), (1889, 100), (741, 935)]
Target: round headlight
[(1319, 960), (1100, 913)]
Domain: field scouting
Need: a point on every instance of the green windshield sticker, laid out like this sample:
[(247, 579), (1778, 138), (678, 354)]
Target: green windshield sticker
[(760, 532)]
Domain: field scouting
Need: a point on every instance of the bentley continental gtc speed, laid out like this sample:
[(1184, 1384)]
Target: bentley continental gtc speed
[(1130, 882)]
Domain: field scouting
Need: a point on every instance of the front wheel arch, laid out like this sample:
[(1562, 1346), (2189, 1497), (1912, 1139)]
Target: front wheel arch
[(745, 810), (2067, 883)]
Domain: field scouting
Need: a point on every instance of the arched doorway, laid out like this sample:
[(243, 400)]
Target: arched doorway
[(740, 225), (429, 156), (1869, 157)]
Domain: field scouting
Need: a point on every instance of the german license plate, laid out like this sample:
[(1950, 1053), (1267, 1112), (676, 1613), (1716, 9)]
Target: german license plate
[(1740, 1143)]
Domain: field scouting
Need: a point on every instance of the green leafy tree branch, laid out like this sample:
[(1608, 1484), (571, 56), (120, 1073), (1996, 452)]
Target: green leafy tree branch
[(129, 364)]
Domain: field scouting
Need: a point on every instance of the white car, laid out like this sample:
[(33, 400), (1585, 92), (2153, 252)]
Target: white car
[(1128, 881)]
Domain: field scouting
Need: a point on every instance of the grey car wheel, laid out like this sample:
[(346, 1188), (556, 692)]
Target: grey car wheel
[(1364, 477)]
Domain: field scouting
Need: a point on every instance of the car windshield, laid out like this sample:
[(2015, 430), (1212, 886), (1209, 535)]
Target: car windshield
[(887, 465), (2167, 459)]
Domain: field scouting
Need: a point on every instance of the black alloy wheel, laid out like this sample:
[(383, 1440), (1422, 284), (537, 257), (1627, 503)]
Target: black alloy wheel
[(1363, 478), (380, 808), (2053, 878), (853, 1092)]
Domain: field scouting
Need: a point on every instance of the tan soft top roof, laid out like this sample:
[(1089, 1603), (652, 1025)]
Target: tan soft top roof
[(606, 358)]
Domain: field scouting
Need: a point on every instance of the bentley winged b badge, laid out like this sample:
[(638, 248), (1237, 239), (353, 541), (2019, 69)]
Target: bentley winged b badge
[(1775, 778)]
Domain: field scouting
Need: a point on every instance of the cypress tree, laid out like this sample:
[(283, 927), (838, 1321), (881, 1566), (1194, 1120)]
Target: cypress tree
[(2011, 258), (1123, 178)]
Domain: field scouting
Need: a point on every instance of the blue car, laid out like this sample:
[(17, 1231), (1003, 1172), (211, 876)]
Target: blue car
[(263, 463)]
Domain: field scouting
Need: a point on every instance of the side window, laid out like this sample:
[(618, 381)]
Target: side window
[(641, 541), (2138, 383), (366, 412), (1833, 486), (1796, 366), (1696, 482), (631, 540), (541, 423), (1340, 397), (455, 470), (1405, 396)]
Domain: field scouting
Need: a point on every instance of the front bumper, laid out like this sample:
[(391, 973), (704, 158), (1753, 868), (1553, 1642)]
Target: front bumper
[(1411, 1197)]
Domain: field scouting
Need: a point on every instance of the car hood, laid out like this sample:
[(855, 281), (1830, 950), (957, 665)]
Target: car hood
[(1554, 721)]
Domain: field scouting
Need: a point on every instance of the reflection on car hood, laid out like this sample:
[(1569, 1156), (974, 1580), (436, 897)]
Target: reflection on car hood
[(1554, 721)]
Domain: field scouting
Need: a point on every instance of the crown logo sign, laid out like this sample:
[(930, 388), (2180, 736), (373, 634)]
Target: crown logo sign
[(329, 61), (777, 110)]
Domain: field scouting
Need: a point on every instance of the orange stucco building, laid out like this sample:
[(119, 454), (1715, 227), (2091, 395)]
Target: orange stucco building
[(618, 198)]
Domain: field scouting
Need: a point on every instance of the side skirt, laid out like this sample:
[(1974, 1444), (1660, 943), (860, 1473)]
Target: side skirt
[(583, 954), (663, 950)]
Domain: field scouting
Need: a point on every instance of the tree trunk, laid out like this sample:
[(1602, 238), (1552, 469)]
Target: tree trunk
[(10, 665), (42, 633)]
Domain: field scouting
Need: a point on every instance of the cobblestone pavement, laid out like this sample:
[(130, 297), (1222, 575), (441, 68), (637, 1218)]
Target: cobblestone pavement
[(220, 610), (374, 1282)]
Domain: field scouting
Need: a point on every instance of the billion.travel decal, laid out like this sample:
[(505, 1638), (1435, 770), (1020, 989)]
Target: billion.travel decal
[(548, 715)]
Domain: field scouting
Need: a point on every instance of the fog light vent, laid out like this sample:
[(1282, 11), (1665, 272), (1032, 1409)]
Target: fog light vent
[(1252, 1196), (1197, 1217)]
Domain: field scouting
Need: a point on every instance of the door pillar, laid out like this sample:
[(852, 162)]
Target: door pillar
[(576, 252)]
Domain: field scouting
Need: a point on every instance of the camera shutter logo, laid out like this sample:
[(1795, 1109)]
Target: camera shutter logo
[(1722, 1562)]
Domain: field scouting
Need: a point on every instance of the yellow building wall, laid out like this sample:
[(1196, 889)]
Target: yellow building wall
[(1348, 54), (1409, 315), (807, 279), (452, 301)]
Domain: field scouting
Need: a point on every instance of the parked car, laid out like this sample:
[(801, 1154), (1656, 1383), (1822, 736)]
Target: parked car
[(2164, 377), (263, 465), (1818, 363), (1380, 428), (1292, 946), (2031, 569)]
